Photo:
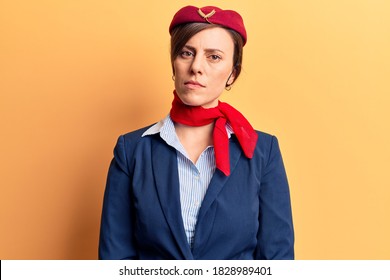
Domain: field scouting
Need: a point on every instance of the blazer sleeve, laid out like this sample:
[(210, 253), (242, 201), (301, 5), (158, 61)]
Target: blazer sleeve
[(275, 238), (116, 230)]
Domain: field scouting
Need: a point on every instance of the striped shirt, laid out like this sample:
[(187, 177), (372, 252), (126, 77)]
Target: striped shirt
[(194, 178)]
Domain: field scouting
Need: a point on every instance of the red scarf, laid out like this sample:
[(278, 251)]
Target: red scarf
[(198, 116)]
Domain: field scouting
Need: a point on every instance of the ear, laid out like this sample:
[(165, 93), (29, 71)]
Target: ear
[(232, 77)]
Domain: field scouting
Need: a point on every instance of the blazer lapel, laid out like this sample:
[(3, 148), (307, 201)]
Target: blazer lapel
[(205, 217), (165, 172)]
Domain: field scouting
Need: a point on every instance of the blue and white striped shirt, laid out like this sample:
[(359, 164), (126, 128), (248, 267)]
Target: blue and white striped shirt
[(194, 178)]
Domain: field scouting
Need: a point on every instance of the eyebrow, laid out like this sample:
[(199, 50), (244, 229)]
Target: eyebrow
[(206, 50)]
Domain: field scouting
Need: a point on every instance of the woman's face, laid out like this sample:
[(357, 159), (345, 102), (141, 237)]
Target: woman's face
[(203, 67)]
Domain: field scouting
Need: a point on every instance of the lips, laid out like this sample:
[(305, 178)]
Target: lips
[(193, 84)]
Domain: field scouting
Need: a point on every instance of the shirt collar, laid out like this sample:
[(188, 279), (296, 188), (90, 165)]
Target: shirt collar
[(167, 121)]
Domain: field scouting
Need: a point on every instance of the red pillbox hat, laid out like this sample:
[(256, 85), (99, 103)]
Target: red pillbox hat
[(210, 14)]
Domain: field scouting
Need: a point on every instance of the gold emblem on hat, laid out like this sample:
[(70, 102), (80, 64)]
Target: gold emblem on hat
[(206, 17)]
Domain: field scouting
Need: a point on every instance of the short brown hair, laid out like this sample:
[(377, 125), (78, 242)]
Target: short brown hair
[(182, 33)]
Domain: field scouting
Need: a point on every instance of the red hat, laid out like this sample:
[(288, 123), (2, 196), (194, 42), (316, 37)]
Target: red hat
[(210, 14)]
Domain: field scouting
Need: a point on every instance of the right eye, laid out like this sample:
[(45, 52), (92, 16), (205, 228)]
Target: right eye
[(185, 54)]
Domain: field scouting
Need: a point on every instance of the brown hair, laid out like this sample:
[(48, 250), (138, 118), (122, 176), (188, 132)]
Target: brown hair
[(182, 33)]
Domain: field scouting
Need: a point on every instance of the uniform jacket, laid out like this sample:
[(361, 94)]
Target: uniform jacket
[(246, 215)]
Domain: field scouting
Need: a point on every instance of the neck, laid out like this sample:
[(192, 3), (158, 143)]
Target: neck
[(204, 132), (195, 139), (195, 129)]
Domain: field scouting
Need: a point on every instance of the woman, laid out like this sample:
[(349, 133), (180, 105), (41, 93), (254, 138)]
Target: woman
[(200, 184)]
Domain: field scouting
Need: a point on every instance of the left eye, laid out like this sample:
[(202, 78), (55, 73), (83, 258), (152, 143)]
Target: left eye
[(215, 57)]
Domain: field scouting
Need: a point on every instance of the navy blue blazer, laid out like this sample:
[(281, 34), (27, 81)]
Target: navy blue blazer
[(246, 215)]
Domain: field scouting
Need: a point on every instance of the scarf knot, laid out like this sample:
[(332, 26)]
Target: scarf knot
[(199, 116)]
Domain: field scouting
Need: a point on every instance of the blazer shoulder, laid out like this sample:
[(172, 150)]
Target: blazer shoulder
[(267, 147), (126, 143), (265, 139), (126, 146), (264, 135), (135, 134)]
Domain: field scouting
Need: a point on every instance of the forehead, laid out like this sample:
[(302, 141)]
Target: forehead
[(212, 38)]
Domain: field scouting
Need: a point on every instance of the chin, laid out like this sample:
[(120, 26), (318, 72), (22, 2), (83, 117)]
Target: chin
[(195, 98), (191, 102), (189, 98)]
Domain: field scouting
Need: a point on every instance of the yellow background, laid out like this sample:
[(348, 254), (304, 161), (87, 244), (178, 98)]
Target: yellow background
[(74, 75)]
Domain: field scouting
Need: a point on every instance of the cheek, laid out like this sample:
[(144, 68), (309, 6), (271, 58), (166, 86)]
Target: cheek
[(222, 76), (174, 67), (178, 69)]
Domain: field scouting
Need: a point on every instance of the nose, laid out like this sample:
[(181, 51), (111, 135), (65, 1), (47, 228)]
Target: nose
[(197, 65)]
